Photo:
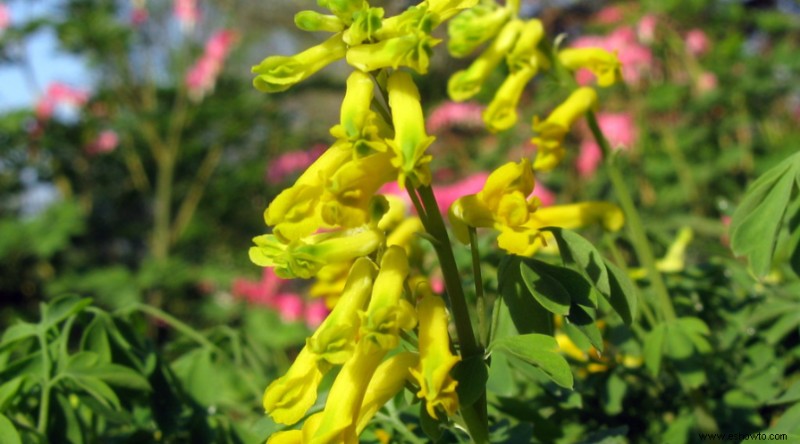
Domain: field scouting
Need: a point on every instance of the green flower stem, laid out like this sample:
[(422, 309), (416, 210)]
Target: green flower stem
[(44, 403), (480, 299), (475, 415), (633, 222), (176, 324)]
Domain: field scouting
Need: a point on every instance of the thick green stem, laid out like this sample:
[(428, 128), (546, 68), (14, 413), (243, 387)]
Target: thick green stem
[(163, 203), (480, 299), (44, 403), (633, 222), (475, 415)]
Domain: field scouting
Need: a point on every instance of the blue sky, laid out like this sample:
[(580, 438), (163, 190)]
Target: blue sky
[(48, 63)]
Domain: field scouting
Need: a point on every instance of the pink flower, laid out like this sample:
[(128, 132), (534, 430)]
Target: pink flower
[(447, 194), (291, 162), (105, 142), (261, 292), (5, 17), (454, 114), (545, 196), (315, 313), (620, 131), (706, 82), (139, 16), (610, 15), (186, 13), (636, 59), (290, 306), (646, 28), (57, 95), (697, 43), (201, 77)]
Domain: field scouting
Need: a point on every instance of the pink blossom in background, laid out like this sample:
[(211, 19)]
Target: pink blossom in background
[(202, 76), (546, 197), (697, 42), (139, 16), (619, 129), (316, 312), (706, 82), (646, 28), (291, 162), (5, 17), (447, 194), (636, 59), (269, 293), (59, 94), (610, 15), (186, 13), (105, 142), (454, 114)]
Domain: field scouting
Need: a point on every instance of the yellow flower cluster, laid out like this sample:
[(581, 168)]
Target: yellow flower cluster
[(361, 331), (517, 41)]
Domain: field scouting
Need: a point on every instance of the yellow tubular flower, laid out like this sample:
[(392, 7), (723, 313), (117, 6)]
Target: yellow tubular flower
[(603, 64), (340, 417), (344, 9), (502, 203), (279, 73), (551, 132), (295, 213), (501, 114), (524, 61), (387, 381), (288, 398), (366, 23), (437, 387), (410, 139), (388, 312), (524, 240), (286, 437), (466, 83), (314, 21), (473, 26), (303, 258), (335, 339), (395, 214), (448, 8), (412, 50), (348, 192), (403, 234), (330, 282)]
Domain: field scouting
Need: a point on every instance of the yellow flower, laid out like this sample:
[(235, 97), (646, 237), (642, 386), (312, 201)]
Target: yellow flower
[(335, 339), (525, 239), (288, 398), (314, 21), (340, 417), (330, 281), (366, 24), (344, 9), (447, 8), (603, 64), (350, 189), (673, 261), (386, 382), (279, 73), (437, 387), (502, 203), (525, 50), (388, 313), (295, 212), (412, 50), (551, 132), (303, 258), (472, 27), (466, 83), (359, 125), (410, 139)]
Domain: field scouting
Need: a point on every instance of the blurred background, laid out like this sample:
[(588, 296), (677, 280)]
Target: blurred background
[(136, 159)]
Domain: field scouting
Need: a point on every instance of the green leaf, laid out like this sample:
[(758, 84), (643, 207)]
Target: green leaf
[(197, 371), (614, 394), (527, 315), (89, 364), (623, 294), (62, 308), (17, 332), (8, 390), (97, 389), (544, 288), (653, 350), (790, 395), (8, 431), (576, 249), (471, 375), (757, 220), (541, 351), (432, 427), (95, 338)]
